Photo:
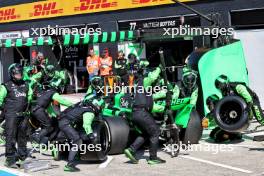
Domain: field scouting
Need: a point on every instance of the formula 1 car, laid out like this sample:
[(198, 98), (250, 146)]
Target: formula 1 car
[(186, 119)]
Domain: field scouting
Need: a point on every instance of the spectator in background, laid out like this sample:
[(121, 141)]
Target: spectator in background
[(92, 64), (106, 63)]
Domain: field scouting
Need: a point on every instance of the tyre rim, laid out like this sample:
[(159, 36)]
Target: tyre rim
[(230, 113)]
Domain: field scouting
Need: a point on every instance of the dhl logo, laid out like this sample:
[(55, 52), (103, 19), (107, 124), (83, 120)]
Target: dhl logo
[(45, 9), (94, 4), (8, 14), (145, 1)]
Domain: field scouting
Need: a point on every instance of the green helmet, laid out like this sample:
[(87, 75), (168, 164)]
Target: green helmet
[(189, 78)]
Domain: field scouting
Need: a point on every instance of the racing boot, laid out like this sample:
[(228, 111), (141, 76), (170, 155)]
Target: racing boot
[(130, 154), (155, 160), (70, 167), (11, 163)]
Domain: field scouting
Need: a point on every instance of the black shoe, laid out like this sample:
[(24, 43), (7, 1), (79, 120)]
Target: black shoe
[(155, 160), (71, 168), (11, 163)]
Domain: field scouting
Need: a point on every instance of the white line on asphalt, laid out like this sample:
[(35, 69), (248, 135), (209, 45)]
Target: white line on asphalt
[(233, 145), (246, 146), (104, 164), (11, 171), (218, 164)]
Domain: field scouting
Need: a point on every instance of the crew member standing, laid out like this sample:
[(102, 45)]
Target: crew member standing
[(92, 64), (142, 118), (14, 98), (121, 67), (106, 64)]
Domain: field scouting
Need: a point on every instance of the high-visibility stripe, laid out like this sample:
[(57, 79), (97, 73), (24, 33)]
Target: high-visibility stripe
[(71, 39), (95, 37), (19, 42), (130, 35), (8, 43), (122, 36), (29, 42), (86, 39), (76, 40), (40, 41), (113, 36), (50, 41), (67, 39), (105, 35)]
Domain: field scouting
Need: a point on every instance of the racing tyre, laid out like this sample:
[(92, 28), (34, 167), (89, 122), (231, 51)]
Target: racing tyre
[(118, 131), (194, 130), (100, 143), (231, 114)]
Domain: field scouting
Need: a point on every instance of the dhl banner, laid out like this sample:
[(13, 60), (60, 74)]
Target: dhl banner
[(57, 8)]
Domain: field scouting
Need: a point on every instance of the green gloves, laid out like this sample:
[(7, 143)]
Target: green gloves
[(87, 122), (3, 94), (243, 92), (57, 97)]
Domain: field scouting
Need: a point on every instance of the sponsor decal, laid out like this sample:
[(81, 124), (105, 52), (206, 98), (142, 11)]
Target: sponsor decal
[(8, 14), (45, 9)]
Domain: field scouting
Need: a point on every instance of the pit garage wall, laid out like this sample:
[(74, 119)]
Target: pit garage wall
[(254, 52), (108, 22), (6, 59)]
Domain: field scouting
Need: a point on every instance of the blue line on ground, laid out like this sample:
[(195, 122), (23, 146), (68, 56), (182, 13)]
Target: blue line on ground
[(4, 173)]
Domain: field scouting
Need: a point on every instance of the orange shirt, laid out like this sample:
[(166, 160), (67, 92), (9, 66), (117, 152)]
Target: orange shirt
[(93, 64), (106, 66)]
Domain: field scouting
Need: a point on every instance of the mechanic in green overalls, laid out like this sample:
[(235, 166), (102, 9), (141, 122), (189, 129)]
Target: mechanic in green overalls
[(228, 88), (46, 90), (15, 97), (81, 114)]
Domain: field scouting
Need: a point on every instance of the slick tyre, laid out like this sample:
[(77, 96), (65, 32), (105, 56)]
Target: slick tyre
[(100, 144), (194, 130), (118, 131)]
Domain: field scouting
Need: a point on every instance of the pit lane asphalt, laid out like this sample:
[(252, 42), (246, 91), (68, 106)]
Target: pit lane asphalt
[(239, 158), (242, 158)]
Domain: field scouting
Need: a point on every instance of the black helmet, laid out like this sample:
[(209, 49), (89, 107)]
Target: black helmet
[(189, 78), (14, 70), (132, 58), (221, 82), (97, 83), (50, 71)]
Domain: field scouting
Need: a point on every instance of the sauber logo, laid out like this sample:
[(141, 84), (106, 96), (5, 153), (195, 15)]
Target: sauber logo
[(8, 14), (145, 1), (95, 4), (45, 9)]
